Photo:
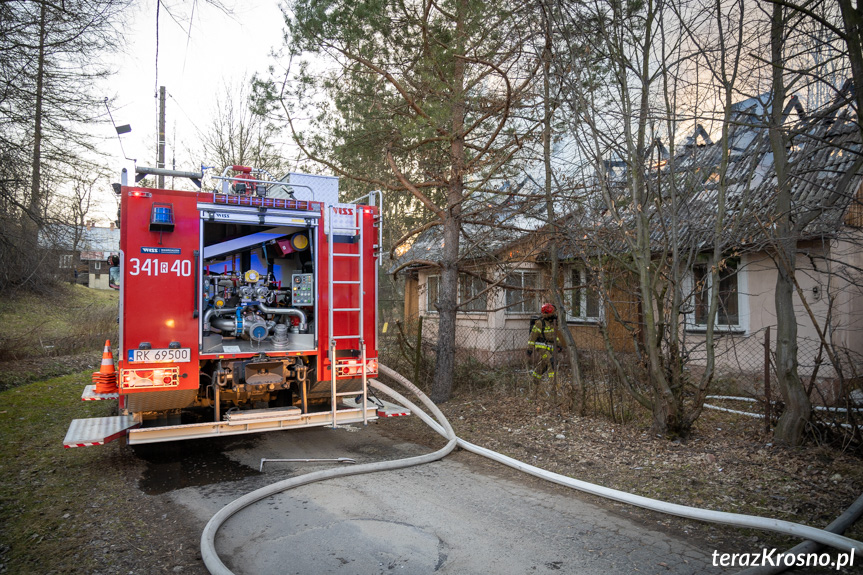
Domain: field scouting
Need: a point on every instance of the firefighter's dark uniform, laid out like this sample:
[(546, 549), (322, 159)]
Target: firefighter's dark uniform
[(544, 337)]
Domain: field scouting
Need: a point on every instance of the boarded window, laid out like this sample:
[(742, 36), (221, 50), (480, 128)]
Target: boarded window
[(432, 293)]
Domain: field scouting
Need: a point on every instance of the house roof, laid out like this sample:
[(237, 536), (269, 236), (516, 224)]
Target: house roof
[(90, 239), (493, 220), (823, 148)]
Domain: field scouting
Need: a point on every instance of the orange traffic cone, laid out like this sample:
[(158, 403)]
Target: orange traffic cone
[(106, 378)]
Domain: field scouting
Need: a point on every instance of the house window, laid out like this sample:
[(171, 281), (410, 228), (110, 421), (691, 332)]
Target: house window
[(583, 300), (97, 265), (470, 294), (468, 289), (518, 299), (66, 261), (729, 314), (432, 291)]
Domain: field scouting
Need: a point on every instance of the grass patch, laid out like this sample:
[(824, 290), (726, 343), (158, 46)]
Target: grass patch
[(51, 497)]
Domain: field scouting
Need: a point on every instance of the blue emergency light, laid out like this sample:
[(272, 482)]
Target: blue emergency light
[(162, 217)]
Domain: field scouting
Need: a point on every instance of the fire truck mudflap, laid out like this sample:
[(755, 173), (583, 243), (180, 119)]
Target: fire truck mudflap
[(252, 308)]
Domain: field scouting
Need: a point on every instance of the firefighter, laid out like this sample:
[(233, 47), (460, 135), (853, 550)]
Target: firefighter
[(544, 338)]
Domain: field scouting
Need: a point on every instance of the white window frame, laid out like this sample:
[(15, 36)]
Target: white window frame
[(434, 280), (431, 279), (527, 298), (472, 285), (581, 293), (65, 261), (97, 265), (742, 325)]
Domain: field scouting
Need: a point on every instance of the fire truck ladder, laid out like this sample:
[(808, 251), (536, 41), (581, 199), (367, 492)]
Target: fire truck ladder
[(355, 231)]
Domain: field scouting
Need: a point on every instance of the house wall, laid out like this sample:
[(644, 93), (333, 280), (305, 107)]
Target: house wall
[(588, 336), (98, 276), (847, 289), (500, 338), (99, 280), (823, 284), (493, 338)]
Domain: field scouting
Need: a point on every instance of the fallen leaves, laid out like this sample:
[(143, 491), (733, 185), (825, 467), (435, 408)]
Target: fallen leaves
[(727, 464)]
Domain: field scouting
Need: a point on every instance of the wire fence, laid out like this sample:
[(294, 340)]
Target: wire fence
[(495, 360)]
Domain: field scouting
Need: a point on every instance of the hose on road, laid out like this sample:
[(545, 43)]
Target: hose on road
[(442, 427)]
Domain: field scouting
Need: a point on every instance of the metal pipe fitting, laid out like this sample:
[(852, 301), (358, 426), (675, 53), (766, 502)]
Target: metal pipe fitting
[(286, 311)]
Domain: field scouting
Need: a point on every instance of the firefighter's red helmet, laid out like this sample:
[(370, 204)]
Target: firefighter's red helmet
[(547, 308)]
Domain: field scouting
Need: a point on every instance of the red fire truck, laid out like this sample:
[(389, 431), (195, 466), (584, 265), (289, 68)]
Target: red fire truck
[(251, 308)]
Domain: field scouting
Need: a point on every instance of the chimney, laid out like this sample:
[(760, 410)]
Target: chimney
[(112, 225)]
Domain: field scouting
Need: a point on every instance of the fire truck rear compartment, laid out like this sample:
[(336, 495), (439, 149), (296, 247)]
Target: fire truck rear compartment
[(257, 289)]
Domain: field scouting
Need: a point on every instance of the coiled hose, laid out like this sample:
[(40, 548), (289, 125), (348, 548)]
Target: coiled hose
[(216, 567)]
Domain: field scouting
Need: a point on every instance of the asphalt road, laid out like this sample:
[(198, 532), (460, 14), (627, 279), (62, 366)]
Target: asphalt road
[(462, 515)]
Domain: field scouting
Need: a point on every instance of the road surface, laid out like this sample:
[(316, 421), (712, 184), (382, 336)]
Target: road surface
[(461, 515)]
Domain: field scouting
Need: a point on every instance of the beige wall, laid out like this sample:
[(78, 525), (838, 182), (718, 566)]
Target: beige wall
[(828, 274), (823, 281), (102, 281), (847, 289)]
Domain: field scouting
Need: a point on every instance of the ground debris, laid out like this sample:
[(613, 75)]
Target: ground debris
[(728, 463)]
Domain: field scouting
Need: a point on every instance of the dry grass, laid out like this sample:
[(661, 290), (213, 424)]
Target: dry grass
[(73, 319), (47, 337)]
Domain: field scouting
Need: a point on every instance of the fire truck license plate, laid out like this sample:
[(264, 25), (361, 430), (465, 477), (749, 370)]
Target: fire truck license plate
[(160, 355)]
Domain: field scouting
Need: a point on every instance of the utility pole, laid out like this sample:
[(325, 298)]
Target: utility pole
[(160, 162)]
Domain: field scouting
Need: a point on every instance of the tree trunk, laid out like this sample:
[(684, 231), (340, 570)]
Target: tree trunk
[(447, 309), (798, 409), (448, 292), (666, 406), (33, 221), (852, 21)]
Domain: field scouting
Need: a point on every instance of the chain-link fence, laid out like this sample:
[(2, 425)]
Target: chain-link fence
[(495, 360)]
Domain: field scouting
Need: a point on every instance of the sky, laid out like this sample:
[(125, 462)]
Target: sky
[(221, 49)]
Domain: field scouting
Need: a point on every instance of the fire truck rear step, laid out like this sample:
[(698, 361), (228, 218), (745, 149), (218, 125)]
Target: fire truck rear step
[(270, 414), (98, 430), (91, 395), (219, 428)]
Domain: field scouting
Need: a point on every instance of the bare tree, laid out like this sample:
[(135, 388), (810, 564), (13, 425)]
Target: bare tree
[(647, 75), (50, 64), (240, 135)]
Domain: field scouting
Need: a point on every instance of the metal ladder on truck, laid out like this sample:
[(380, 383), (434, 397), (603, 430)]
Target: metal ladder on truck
[(355, 231)]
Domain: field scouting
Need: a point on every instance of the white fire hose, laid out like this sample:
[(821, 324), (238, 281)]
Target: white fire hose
[(442, 426)]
